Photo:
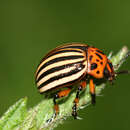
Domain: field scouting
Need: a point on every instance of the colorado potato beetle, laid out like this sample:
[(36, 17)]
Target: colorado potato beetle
[(71, 64)]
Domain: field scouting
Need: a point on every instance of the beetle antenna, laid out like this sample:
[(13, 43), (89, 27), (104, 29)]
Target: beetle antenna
[(123, 72)]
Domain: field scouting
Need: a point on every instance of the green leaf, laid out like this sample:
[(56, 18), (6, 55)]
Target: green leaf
[(14, 116)]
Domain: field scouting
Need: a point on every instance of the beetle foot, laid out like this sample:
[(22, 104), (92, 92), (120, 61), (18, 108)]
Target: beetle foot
[(74, 111), (51, 119)]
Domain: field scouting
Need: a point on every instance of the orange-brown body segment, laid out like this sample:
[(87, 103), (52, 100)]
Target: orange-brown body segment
[(96, 62)]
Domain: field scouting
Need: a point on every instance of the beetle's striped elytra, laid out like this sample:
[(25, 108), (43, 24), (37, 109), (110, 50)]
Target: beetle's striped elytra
[(71, 64), (63, 65)]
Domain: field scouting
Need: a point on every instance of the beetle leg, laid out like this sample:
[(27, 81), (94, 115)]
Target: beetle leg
[(60, 94), (92, 91), (76, 101)]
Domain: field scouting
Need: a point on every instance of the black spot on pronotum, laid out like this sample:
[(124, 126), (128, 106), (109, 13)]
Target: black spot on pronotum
[(99, 56), (93, 66), (98, 72), (101, 63), (97, 60), (100, 52), (90, 58)]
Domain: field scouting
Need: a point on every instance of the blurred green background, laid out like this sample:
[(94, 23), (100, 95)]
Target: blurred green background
[(29, 29)]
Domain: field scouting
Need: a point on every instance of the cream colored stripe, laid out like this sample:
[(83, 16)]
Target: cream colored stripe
[(62, 81), (55, 74), (60, 63), (57, 56)]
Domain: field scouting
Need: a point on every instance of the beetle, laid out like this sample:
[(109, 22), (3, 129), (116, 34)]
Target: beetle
[(71, 64)]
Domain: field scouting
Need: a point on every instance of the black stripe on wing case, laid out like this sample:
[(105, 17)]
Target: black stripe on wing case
[(58, 68), (62, 51), (72, 72), (59, 59), (76, 46), (65, 84)]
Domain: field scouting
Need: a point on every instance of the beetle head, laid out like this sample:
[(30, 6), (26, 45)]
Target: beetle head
[(109, 73)]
